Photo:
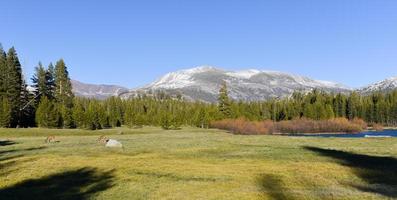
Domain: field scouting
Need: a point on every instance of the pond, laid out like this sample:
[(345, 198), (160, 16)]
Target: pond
[(368, 134)]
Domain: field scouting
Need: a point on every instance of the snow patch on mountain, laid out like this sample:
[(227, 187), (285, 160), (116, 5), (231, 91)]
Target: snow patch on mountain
[(179, 79), (383, 86), (245, 74)]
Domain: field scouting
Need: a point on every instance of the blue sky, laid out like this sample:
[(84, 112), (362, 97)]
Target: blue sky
[(132, 43)]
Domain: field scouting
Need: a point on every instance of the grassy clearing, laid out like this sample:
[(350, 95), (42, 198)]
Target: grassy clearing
[(194, 164)]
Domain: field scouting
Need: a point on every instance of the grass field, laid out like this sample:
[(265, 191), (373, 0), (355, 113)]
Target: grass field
[(194, 164)]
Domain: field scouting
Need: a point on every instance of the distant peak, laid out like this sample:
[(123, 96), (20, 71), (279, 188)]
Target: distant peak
[(202, 68), (385, 85), (388, 80), (394, 78)]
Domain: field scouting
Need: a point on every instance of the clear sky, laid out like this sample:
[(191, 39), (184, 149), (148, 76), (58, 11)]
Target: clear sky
[(132, 43)]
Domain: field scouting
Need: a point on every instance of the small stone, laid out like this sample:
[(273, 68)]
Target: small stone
[(113, 143)]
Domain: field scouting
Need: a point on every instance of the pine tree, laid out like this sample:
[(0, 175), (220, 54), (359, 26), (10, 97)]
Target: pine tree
[(39, 83), (129, 115), (265, 112), (78, 113), (63, 93), (5, 109), (13, 85), (352, 106), (165, 120), (27, 110), (50, 81), (103, 120), (201, 118), (134, 118), (91, 116), (5, 113), (3, 74), (114, 111), (43, 82), (320, 112), (47, 115), (176, 121), (139, 120), (340, 105), (224, 102), (329, 111), (309, 111)]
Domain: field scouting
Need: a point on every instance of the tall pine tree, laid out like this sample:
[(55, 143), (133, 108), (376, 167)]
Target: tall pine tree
[(27, 110), (3, 74), (13, 85), (63, 93), (50, 81), (39, 82), (78, 113), (224, 101)]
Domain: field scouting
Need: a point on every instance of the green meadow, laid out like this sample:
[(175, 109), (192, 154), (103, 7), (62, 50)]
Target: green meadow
[(193, 163)]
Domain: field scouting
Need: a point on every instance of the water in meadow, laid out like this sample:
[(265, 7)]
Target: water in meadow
[(368, 134)]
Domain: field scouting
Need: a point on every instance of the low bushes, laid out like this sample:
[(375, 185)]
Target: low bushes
[(377, 127), (243, 126), (321, 126), (302, 125), (360, 122)]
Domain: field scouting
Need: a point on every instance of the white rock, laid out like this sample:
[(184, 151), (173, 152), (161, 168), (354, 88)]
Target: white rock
[(113, 143)]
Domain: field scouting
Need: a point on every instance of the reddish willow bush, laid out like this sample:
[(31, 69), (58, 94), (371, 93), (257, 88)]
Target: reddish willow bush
[(377, 127), (320, 126), (243, 126), (360, 122)]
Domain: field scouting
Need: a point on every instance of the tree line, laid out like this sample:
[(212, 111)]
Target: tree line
[(51, 104), (48, 104), (378, 107), (171, 113)]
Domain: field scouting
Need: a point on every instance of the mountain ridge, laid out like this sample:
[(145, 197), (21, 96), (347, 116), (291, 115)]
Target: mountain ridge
[(381, 86), (101, 91), (203, 83)]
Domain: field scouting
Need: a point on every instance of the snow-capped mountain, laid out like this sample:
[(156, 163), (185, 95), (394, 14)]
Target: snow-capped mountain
[(382, 86), (203, 83), (96, 91)]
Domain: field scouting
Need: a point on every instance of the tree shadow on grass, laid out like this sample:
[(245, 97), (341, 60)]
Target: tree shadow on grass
[(6, 142), (77, 184), (380, 173), (16, 153), (272, 185), (10, 159), (21, 150)]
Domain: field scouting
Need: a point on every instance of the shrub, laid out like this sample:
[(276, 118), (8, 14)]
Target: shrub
[(319, 126), (360, 122), (243, 126), (301, 125), (377, 127)]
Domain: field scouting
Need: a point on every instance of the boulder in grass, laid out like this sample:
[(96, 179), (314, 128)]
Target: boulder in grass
[(113, 143)]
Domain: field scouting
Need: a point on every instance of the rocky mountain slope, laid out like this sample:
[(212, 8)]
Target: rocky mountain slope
[(96, 91), (203, 83), (383, 86)]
